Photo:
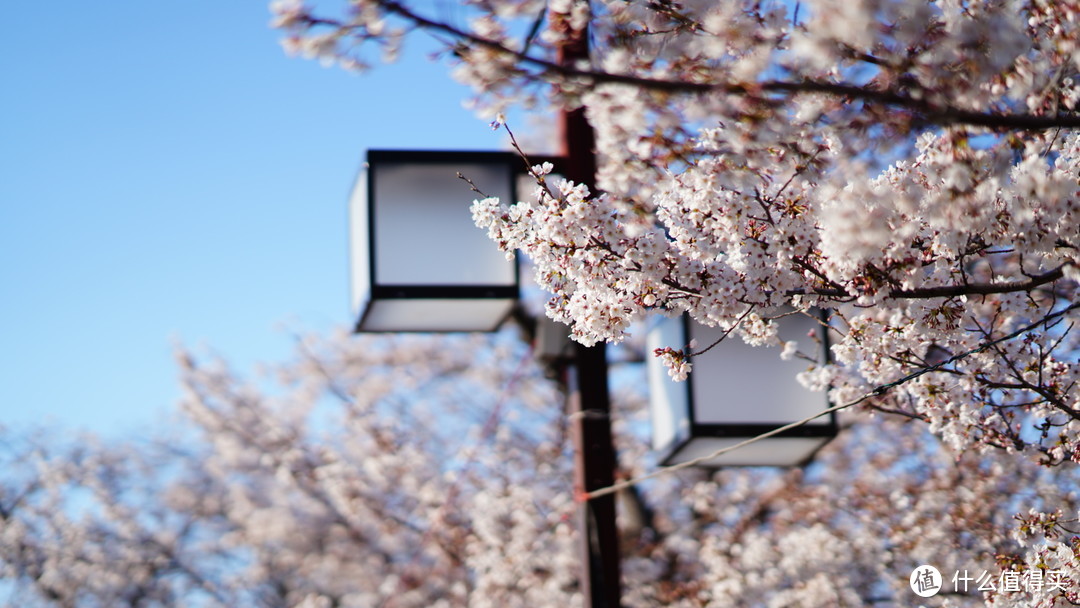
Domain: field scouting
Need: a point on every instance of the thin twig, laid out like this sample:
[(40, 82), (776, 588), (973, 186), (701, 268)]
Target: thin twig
[(726, 333)]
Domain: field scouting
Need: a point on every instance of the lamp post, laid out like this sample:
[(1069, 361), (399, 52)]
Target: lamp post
[(420, 265), (594, 448)]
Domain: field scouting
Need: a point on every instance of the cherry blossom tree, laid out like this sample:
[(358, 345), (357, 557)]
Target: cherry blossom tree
[(421, 471), (909, 166)]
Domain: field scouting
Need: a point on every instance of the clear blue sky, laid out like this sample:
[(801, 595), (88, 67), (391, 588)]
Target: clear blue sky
[(170, 175)]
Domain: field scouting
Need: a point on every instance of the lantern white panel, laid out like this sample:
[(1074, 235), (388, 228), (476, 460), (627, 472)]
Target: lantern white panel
[(735, 383), (775, 451), (359, 248), (423, 230), (669, 400), (436, 314)]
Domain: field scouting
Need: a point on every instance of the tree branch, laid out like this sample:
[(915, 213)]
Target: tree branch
[(928, 112), (952, 291)]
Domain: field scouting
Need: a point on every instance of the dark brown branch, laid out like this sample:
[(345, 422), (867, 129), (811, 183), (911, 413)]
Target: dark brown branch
[(928, 112), (952, 291), (897, 412), (724, 336)]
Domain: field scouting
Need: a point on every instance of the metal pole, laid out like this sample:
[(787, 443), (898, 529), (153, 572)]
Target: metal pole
[(594, 451), (594, 468)]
